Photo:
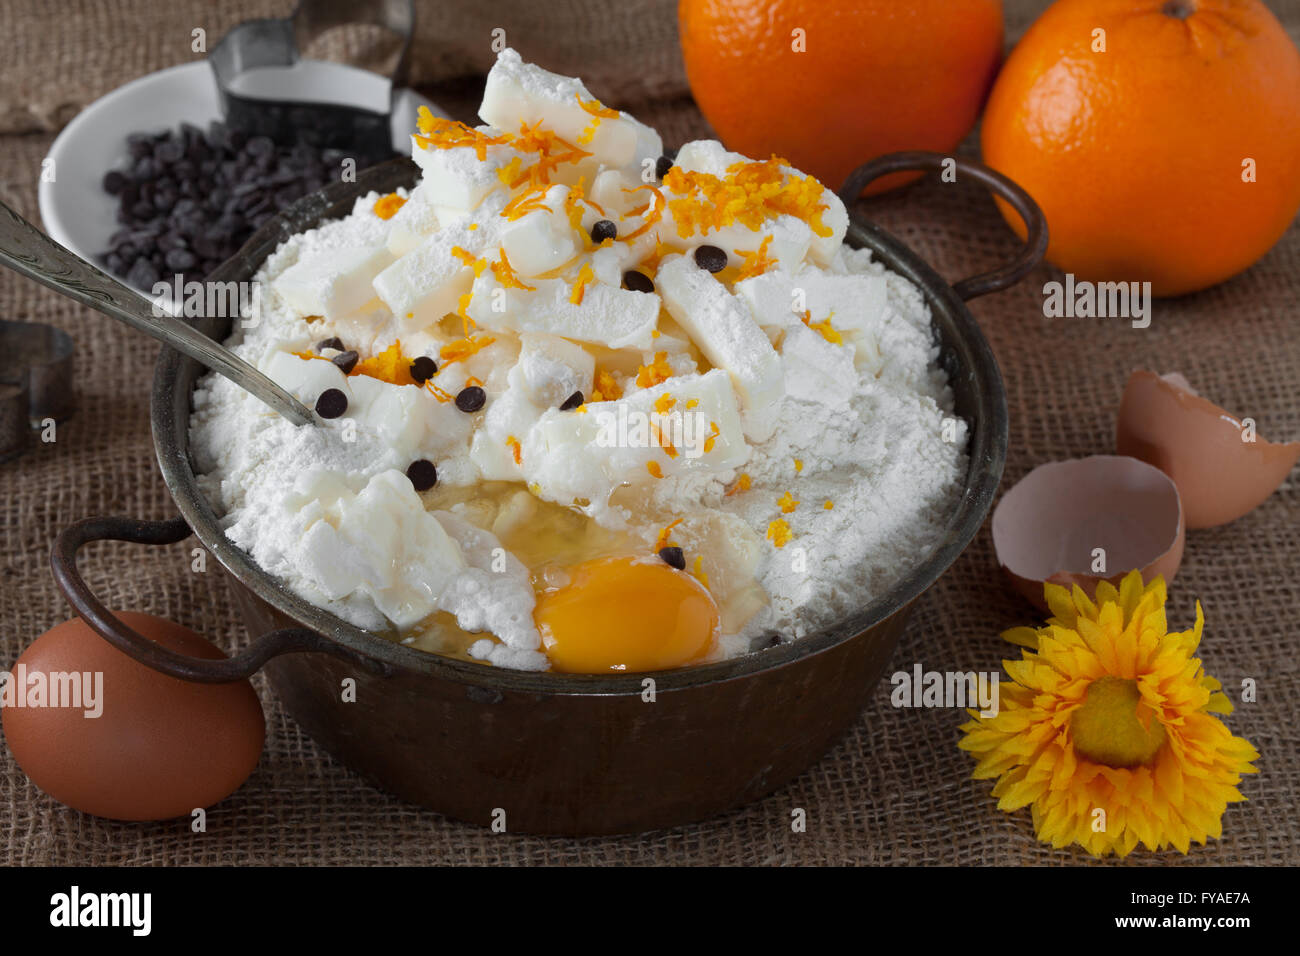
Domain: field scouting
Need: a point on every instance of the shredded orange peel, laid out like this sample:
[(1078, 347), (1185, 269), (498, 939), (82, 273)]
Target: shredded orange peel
[(386, 206), (606, 388), (505, 274), (666, 534), (779, 533), (584, 279), (656, 373), (752, 193), (651, 212), (757, 262), (463, 349)]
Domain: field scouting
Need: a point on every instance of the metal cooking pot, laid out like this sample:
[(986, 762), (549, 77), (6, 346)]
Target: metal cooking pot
[(561, 753)]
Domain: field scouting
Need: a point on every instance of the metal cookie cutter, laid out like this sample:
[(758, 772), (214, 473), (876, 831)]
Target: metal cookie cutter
[(255, 45), (35, 382)]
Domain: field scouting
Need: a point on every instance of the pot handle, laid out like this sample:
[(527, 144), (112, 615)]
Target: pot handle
[(63, 560), (996, 280)]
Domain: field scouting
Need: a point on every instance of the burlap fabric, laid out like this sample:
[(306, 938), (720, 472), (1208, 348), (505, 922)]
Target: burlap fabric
[(896, 790)]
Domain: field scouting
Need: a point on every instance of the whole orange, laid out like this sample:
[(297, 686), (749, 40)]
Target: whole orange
[(1161, 137), (830, 85)]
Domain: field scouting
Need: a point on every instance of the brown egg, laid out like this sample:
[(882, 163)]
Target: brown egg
[(1222, 469), (159, 747), (1050, 525)]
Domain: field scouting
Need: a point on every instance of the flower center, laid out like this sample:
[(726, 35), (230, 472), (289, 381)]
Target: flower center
[(1114, 726)]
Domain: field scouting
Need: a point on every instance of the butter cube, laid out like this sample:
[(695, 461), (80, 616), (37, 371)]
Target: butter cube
[(721, 326), (518, 92), (572, 456), (817, 370), (332, 283), (552, 369), (609, 316)]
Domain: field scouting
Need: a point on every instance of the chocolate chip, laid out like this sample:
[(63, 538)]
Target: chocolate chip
[(471, 399), (259, 146), (662, 165), (169, 152), (143, 274), (638, 281), (603, 229), (423, 474), (572, 402), (710, 258), (333, 342), (180, 260), (332, 403), (423, 369), (346, 361), (673, 557), (114, 182)]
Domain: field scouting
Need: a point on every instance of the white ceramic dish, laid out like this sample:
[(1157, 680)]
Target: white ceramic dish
[(74, 207)]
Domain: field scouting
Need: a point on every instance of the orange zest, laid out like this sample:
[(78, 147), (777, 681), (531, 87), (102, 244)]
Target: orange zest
[(441, 394), (757, 262), (438, 133), (711, 439), (585, 278), (388, 366), (669, 449), (654, 469), (824, 328), (386, 206), (597, 111), (471, 260), (779, 533), (462, 309), (505, 274), (697, 570), (516, 450), (657, 372), (606, 388), (786, 503), (549, 149), (463, 349), (743, 483), (666, 534), (653, 211), (531, 199), (752, 193)]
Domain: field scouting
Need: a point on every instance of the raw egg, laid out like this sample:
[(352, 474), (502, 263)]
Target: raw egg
[(1088, 520), (626, 614), (1221, 467), (106, 735)]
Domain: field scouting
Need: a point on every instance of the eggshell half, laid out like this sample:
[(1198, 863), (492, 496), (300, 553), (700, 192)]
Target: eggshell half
[(1219, 476), (1048, 525), (160, 747)]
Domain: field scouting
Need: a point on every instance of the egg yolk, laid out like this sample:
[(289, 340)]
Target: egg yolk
[(626, 614)]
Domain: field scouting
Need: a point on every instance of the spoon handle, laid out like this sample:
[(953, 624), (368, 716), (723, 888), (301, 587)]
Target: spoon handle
[(27, 250)]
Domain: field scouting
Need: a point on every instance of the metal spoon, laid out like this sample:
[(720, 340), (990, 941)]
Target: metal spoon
[(27, 250)]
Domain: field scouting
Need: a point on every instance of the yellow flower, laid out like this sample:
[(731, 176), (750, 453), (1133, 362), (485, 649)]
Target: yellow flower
[(1107, 728)]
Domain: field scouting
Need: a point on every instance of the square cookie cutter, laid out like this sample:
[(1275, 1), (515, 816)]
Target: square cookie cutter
[(269, 43), (36, 382)]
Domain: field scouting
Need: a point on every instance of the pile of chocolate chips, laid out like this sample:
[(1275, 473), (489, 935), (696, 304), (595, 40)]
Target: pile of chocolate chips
[(189, 199)]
